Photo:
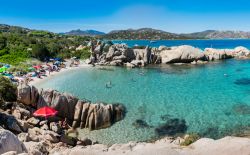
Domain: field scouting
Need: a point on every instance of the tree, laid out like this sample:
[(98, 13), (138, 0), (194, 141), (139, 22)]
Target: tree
[(2, 42), (7, 90), (39, 51)]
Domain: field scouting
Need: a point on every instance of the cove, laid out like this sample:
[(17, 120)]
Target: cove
[(164, 100)]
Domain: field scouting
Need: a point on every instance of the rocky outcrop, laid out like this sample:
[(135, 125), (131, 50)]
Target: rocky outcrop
[(27, 94), (204, 146), (122, 55), (120, 52), (241, 52), (181, 54), (9, 142), (217, 54), (97, 116), (81, 113)]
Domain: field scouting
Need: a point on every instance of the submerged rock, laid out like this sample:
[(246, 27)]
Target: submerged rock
[(172, 127), (242, 81), (242, 109), (140, 124)]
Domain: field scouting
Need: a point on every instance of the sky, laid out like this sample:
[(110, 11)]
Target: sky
[(177, 16)]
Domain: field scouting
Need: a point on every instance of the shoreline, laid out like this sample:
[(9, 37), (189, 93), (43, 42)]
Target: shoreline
[(35, 81)]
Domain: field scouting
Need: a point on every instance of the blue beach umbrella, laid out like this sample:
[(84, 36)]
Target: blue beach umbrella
[(7, 66)]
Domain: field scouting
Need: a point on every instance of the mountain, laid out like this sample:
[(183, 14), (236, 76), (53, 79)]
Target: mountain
[(213, 34), (201, 35), (142, 34), (84, 33)]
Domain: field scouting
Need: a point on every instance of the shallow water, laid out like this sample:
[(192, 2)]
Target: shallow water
[(212, 100)]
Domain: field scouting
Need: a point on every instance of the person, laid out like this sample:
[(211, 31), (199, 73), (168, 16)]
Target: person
[(64, 124), (109, 84)]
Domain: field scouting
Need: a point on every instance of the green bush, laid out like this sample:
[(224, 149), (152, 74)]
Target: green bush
[(40, 51), (83, 54), (7, 90)]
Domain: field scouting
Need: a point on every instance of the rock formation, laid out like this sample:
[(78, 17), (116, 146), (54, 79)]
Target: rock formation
[(122, 55), (9, 142), (182, 54), (215, 54), (81, 113)]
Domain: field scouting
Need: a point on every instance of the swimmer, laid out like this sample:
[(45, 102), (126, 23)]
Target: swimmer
[(109, 84)]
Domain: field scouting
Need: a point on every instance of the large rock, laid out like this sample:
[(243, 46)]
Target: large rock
[(10, 122), (27, 95), (181, 54), (80, 113), (241, 52), (143, 54), (9, 142), (120, 52), (36, 148), (217, 54), (97, 116), (64, 103), (37, 134)]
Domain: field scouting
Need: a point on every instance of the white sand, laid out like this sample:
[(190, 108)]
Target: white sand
[(36, 81)]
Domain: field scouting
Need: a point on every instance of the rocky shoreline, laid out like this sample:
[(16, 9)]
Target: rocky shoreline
[(39, 136), (122, 55), (34, 136), (31, 135)]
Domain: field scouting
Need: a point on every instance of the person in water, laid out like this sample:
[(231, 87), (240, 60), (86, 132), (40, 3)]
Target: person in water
[(109, 84)]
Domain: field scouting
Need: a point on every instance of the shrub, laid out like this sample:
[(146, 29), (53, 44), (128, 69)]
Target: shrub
[(40, 51), (83, 54), (7, 90)]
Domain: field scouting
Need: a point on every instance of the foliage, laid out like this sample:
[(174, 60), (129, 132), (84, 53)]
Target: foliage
[(40, 51), (2, 42), (191, 138), (142, 34), (7, 90), (19, 44), (83, 54)]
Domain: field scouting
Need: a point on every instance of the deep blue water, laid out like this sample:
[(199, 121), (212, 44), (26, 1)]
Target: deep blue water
[(212, 100), (202, 44)]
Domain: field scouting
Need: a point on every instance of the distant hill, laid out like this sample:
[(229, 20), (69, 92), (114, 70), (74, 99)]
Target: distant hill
[(142, 34), (131, 34), (213, 34), (84, 33), (13, 29)]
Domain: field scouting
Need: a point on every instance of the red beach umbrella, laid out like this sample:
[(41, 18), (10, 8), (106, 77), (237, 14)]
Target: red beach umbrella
[(45, 112), (37, 67)]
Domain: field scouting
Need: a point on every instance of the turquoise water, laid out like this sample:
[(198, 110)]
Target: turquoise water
[(202, 44), (213, 99)]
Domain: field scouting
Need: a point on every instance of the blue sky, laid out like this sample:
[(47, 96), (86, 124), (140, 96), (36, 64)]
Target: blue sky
[(179, 16)]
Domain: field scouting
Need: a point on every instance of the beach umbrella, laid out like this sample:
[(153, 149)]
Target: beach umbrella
[(37, 67), (7, 66), (45, 112), (10, 76), (3, 69)]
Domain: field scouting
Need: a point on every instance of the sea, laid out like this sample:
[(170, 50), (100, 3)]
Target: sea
[(211, 100)]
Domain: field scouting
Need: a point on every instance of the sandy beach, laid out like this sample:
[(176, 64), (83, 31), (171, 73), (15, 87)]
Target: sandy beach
[(36, 81)]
